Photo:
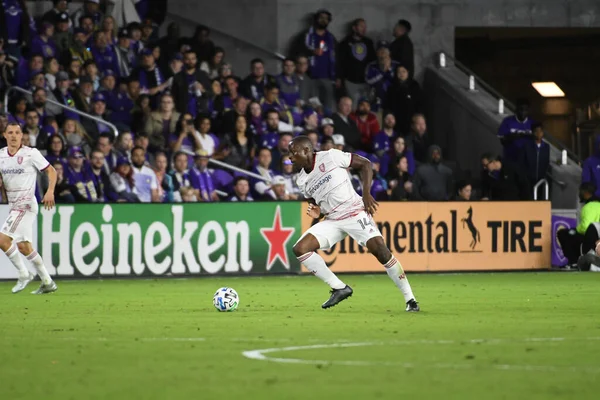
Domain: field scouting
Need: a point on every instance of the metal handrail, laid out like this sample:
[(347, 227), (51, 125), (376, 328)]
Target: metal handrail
[(548, 138), (546, 189), (64, 107), (230, 36), (231, 167)]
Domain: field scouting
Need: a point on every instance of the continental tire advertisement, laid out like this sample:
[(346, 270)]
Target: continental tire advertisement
[(161, 239), (453, 236)]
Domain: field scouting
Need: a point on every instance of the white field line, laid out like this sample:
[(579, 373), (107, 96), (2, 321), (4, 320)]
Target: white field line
[(261, 355)]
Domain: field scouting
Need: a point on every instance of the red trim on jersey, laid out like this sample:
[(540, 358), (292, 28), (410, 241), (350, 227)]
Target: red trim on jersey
[(12, 155), (45, 168), (351, 158), (314, 161)]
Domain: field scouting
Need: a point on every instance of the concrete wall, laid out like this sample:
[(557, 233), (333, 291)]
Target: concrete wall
[(274, 23)]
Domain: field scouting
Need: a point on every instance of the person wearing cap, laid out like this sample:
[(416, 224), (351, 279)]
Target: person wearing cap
[(401, 48), (90, 8), (152, 80), (83, 94), (327, 127), (104, 55), (310, 119), (98, 109), (62, 35), (175, 65), (278, 186), (338, 142), (15, 26), (381, 72), (78, 48), (356, 51), (81, 185), (126, 58), (321, 44), (122, 183), (367, 123), (60, 7), (201, 179)]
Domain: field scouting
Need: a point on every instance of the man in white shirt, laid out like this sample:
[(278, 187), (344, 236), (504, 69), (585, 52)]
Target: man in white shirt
[(19, 166), (146, 183), (323, 179)]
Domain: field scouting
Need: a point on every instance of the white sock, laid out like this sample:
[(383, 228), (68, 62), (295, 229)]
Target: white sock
[(396, 273), (15, 257), (38, 263), (317, 266)]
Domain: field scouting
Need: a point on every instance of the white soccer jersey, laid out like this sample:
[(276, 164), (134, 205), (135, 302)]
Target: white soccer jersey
[(330, 186), (19, 176)]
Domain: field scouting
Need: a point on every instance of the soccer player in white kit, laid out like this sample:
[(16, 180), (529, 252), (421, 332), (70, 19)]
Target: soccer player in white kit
[(323, 179), (19, 166)]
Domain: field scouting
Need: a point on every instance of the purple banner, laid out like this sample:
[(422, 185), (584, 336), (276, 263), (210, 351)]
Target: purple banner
[(558, 223)]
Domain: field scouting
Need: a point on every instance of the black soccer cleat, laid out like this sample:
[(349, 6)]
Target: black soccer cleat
[(412, 306), (338, 295)]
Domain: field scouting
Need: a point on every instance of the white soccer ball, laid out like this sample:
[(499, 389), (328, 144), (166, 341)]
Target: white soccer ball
[(226, 299)]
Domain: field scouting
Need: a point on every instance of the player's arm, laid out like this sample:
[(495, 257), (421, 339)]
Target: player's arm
[(313, 210), (48, 199), (365, 171)]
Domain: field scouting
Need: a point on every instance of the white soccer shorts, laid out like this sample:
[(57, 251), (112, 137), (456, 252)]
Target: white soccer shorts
[(19, 225), (361, 228)]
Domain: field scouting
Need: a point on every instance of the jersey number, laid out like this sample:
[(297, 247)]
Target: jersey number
[(365, 222)]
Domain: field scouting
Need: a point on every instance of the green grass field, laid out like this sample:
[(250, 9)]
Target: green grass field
[(479, 336)]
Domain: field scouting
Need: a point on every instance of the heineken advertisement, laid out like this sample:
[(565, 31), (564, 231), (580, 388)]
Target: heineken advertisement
[(160, 239)]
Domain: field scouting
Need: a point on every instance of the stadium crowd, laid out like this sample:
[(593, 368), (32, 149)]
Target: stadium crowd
[(177, 103)]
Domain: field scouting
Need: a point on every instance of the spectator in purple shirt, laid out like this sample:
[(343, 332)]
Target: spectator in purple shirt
[(15, 25), (515, 131), (270, 137), (43, 43), (382, 142), (201, 179), (381, 72), (104, 55), (271, 101), (590, 170), (321, 44), (78, 179), (258, 125), (288, 85)]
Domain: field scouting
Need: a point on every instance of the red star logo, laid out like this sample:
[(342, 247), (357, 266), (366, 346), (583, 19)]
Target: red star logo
[(277, 237)]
